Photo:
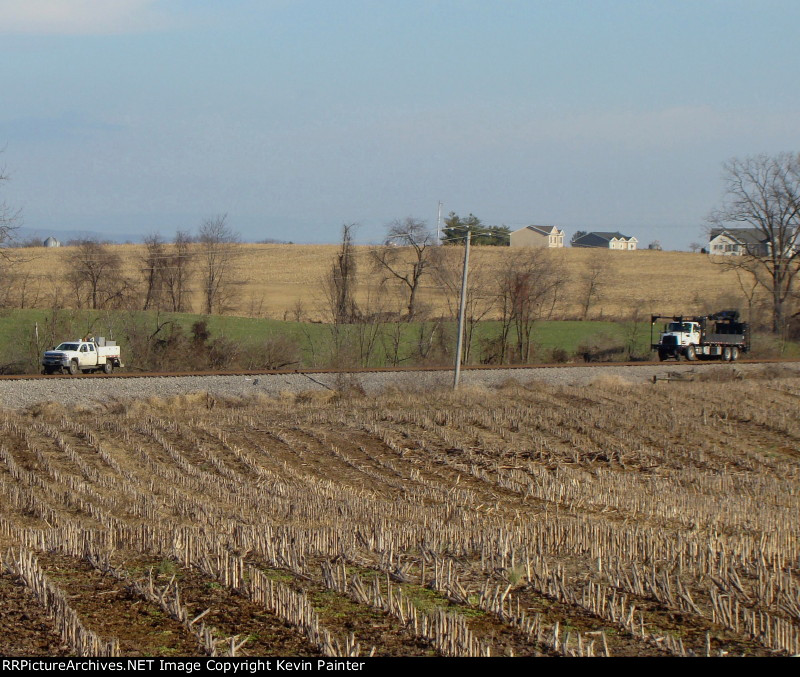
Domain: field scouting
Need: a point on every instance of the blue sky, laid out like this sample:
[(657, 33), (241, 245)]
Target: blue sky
[(295, 116)]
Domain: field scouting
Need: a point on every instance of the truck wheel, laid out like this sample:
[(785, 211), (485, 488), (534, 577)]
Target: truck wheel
[(108, 367), (734, 354), (662, 355), (727, 354), (691, 353), (73, 368)]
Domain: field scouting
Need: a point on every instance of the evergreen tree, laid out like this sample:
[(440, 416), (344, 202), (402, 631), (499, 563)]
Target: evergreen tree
[(456, 228)]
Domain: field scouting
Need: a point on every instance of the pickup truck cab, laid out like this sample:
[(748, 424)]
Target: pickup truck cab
[(82, 356)]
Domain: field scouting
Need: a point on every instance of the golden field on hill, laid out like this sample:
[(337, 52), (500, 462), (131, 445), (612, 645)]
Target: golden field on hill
[(285, 281)]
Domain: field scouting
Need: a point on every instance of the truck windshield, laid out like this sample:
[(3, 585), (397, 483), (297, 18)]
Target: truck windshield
[(677, 326), (68, 346)]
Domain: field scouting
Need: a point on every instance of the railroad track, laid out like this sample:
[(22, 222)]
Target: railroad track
[(379, 370)]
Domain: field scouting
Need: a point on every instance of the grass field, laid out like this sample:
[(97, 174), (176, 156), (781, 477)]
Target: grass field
[(284, 281), (528, 520), (310, 344)]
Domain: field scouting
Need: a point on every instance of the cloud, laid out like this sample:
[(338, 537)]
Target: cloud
[(78, 17)]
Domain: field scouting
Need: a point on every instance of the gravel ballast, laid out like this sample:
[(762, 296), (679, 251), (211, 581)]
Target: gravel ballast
[(91, 390)]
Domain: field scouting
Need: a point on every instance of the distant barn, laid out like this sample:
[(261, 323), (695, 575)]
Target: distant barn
[(51, 242)]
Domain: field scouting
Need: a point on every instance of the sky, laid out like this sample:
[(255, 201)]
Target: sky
[(293, 117)]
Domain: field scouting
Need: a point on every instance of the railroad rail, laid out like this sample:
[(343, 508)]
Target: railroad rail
[(377, 370)]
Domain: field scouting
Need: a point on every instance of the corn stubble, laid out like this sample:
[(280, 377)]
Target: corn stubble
[(529, 520)]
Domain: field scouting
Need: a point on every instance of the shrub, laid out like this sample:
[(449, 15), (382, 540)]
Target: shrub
[(601, 347)]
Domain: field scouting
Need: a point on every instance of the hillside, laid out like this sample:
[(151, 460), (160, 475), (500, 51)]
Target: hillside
[(285, 281)]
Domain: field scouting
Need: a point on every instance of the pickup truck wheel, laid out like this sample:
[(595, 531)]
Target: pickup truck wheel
[(691, 353), (662, 355), (73, 368), (108, 367)]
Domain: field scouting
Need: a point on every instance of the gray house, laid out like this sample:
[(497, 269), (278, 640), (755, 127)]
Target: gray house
[(602, 240), (738, 242)]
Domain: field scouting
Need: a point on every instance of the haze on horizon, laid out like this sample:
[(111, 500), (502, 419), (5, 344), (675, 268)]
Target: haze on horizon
[(295, 116)]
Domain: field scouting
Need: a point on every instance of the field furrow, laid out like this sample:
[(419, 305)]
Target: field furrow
[(522, 520)]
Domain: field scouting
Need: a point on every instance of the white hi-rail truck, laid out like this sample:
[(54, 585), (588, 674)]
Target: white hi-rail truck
[(720, 336), (82, 356)]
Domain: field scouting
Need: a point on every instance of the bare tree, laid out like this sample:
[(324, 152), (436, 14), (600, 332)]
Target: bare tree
[(447, 271), (527, 288), (9, 219), (763, 193), (633, 330), (154, 263), (218, 253), (353, 335), (340, 285), (177, 273), (748, 283), (593, 280), (18, 288), (95, 278), (406, 258), (371, 325), (29, 242)]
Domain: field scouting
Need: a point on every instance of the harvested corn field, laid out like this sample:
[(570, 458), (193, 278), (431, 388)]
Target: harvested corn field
[(532, 519)]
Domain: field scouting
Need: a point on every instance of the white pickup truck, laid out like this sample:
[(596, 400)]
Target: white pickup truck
[(84, 356)]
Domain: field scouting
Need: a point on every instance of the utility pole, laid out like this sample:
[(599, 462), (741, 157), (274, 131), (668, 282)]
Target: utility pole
[(439, 224), (462, 304)]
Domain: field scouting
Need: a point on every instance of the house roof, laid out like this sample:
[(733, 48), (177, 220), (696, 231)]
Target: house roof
[(597, 237), (741, 235), (542, 230), (610, 236)]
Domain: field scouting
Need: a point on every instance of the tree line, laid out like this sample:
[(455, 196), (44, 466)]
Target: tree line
[(167, 274), (524, 288)]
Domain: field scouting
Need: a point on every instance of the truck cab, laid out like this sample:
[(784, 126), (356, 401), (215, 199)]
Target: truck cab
[(680, 338), (682, 333)]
